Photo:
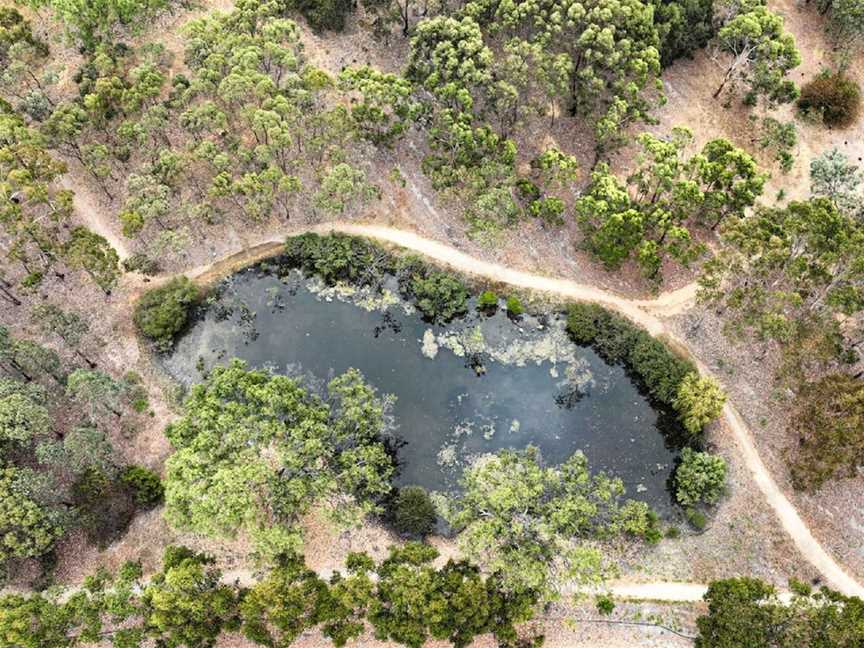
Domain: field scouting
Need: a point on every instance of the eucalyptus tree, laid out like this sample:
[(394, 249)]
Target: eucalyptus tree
[(760, 53)]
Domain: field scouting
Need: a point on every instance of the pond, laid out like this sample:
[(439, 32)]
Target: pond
[(478, 385)]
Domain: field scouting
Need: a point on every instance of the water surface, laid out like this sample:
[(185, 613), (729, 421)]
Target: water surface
[(535, 386)]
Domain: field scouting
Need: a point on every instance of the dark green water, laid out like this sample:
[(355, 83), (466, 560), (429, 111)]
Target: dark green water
[(445, 412)]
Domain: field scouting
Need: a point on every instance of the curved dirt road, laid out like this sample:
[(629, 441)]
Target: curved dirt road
[(647, 313)]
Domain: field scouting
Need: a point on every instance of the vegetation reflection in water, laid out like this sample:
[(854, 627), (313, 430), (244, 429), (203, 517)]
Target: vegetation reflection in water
[(478, 385)]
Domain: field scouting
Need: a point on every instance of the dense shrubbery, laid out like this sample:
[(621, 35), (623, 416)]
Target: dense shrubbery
[(163, 312), (338, 257), (670, 379), (439, 296), (833, 98), (324, 14)]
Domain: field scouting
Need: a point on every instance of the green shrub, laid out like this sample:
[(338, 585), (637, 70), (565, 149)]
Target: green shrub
[(834, 97), (699, 401), (514, 306), (413, 512), (145, 484), (439, 296), (700, 478), (583, 322), (324, 14), (697, 519), (141, 263), (337, 257), (659, 368), (672, 532), (616, 337), (487, 301), (163, 312), (605, 604)]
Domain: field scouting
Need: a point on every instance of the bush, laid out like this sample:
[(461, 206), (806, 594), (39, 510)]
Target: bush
[(699, 401), (141, 263), (325, 14), (835, 98), (660, 369), (700, 478), (697, 519), (487, 301), (163, 312), (337, 258), (829, 424), (605, 604), (413, 511), (514, 306), (439, 296), (145, 484), (583, 322)]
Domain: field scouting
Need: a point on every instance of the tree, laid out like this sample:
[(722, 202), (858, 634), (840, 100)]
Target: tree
[(23, 416), (344, 187), (835, 178), (28, 529), (93, 254), (761, 54), (700, 478), (162, 313), (95, 390), (91, 21), (846, 23), (186, 604), (699, 401), (387, 107), (82, 449), (287, 451), (747, 612), (533, 524), (784, 273), (290, 600), (829, 424), (70, 327)]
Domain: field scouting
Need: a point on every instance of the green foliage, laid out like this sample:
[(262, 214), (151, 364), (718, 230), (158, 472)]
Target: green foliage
[(697, 519), (338, 257), (82, 449), (846, 24), (439, 296), (605, 604), (487, 301), (91, 21), (532, 524), (833, 98), (829, 425), (344, 187), (387, 107), (98, 392), (145, 484), (163, 312), (699, 401), (683, 27), (747, 612), (616, 339), (23, 416), (700, 478), (258, 478), (785, 272), (761, 54), (652, 215), (324, 14), (514, 306), (832, 176), (28, 528), (186, 604), (413, 512), (779, 137)]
